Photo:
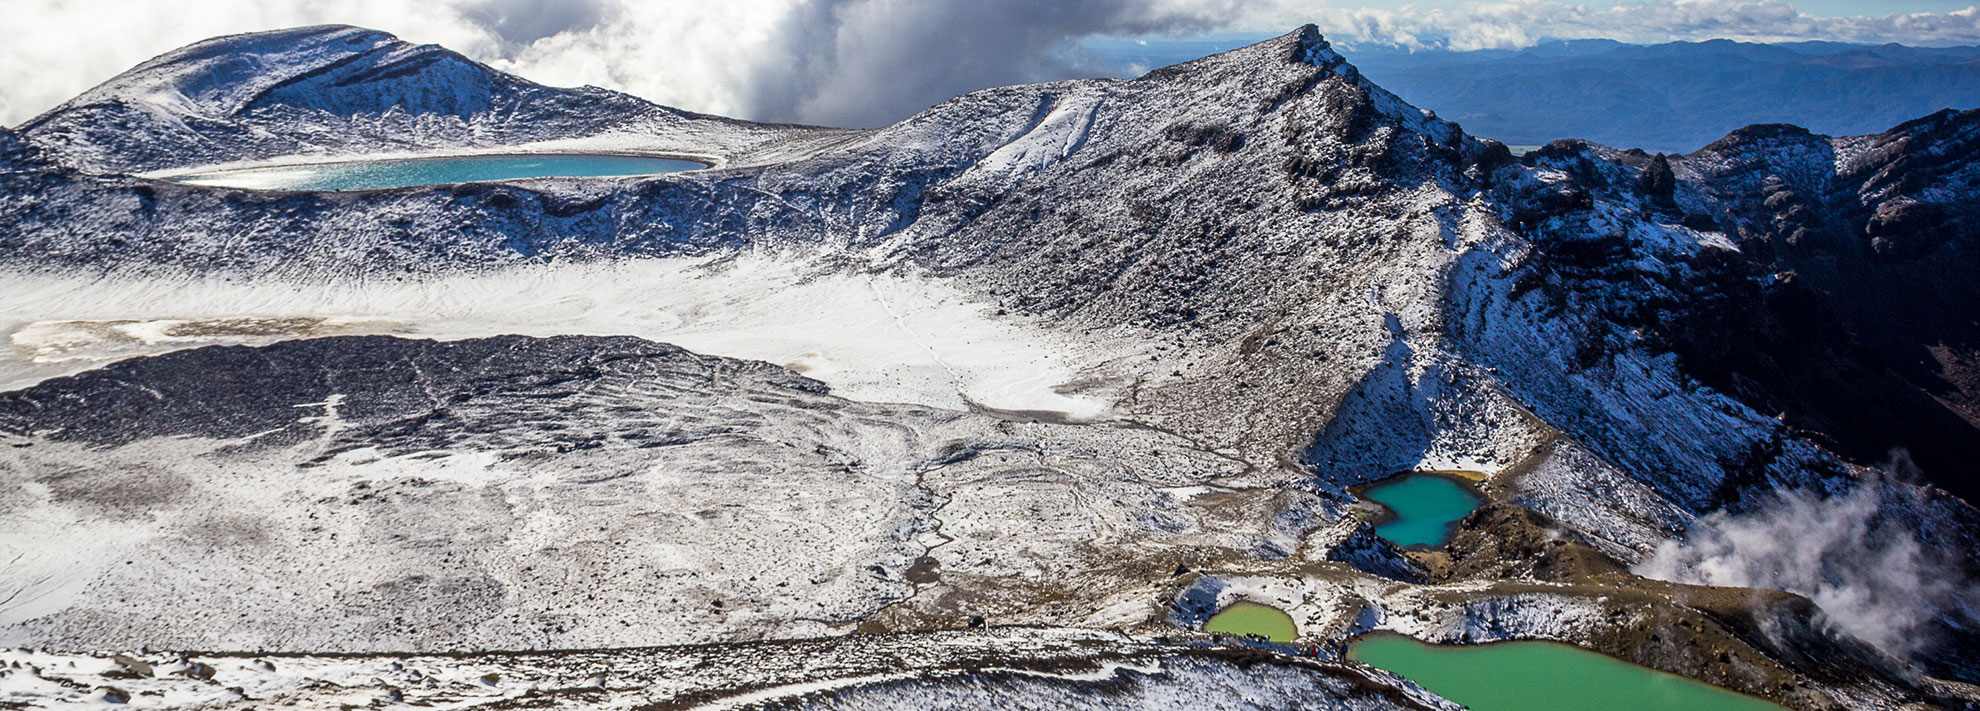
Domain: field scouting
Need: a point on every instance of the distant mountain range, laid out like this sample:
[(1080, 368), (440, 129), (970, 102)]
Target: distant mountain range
[(1672, 97)]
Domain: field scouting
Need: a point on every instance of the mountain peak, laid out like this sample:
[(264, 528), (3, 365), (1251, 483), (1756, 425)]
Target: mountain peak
[(1306, 46), (218, 100), (1302, 46), (1311, 47)]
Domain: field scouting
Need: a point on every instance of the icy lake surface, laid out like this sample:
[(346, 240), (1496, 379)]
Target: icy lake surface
[(1538, 676), (439, 170), (1424, 507)]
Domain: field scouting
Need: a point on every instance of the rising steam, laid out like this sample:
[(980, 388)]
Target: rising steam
[(1856, 554)]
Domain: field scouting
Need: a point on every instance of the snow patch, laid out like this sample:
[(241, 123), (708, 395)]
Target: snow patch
[(1059, 134)]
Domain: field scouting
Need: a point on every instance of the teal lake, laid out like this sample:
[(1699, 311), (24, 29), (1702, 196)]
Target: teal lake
[(1424, 507), (1542, 676)]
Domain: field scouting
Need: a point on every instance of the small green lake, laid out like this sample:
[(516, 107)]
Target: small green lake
[(1424, 508), (1542, 676), (1247, 618)]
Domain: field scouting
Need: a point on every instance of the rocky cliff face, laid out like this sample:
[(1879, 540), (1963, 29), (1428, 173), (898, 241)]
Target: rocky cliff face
[(1331, 284), (1849, 316)]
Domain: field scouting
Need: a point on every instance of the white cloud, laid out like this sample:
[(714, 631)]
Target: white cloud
[(847, 61), (699, 56), (1849, 553)]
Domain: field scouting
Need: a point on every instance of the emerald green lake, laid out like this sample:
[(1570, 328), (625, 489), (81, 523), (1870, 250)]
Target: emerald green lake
[(1540, 676), (1244, 618), (1424, 507)]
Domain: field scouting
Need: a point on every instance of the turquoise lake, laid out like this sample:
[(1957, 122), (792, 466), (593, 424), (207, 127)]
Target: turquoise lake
[(437, 170), (1542, 676), (1425, 507)]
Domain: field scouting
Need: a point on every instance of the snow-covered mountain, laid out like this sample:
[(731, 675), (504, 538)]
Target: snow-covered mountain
[(336, 89), (1181, 316)]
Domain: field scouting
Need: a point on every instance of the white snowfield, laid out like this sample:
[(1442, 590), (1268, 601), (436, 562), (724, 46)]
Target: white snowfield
[(879, 337), (1060, 132), (688, 504)]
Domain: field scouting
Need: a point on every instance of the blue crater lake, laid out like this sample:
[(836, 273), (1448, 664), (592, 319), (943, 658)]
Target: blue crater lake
[(1423, 507), (390, 173)]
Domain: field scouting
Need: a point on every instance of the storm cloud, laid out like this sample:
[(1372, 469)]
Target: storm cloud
[(870, 62)]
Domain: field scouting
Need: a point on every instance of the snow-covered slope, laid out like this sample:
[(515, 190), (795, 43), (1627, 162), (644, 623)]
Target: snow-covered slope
[(220, 77), (460, 488)]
